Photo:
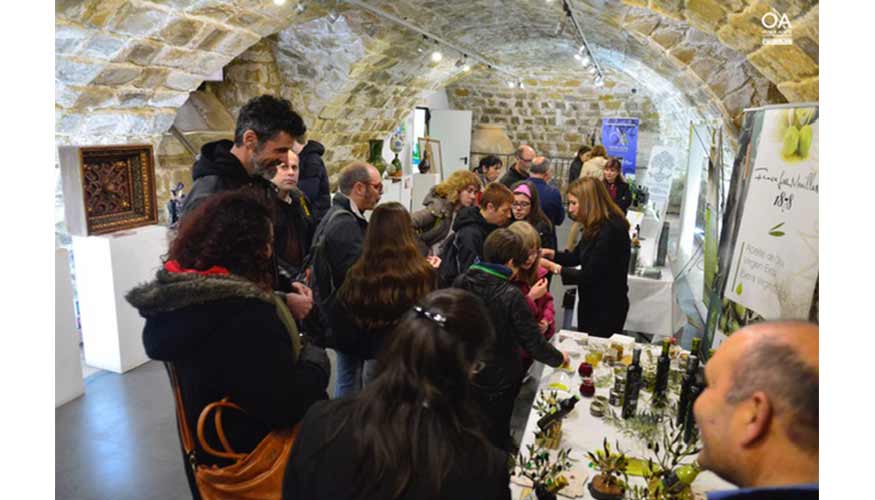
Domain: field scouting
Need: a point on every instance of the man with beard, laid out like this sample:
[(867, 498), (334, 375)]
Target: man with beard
[(266, 129)]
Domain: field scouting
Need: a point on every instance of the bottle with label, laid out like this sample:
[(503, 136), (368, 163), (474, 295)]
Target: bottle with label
[(662, 368), (690, 429), (633, 385), (633, 254), (686, 385), (681, 478), (565, 407), (697, 343)]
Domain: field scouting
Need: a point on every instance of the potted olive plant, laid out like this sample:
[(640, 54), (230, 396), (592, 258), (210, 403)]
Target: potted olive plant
[(611, 481), (543, 471)]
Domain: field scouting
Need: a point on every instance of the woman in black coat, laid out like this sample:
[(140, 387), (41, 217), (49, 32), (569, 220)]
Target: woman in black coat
[(211, 315), (603, 256), (617, 186), (414, 433)]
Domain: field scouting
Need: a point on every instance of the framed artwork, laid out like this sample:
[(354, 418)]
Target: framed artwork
[(109, 188), (430, 154)]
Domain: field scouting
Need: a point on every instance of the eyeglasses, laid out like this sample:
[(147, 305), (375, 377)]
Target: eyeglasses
[(527, 160), (521, 204), (378, 186)]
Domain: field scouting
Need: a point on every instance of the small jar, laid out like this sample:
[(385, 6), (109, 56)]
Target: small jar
[(587, 388), (585, 370), (616, 398), (597, 408), (620, 383)]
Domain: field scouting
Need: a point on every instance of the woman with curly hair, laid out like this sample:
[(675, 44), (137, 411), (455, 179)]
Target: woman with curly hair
[(433, 223), (212, 318), (387, 279)]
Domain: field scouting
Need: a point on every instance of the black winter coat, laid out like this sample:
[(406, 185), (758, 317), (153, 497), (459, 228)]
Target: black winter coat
[(574, 169), (511, 177), (547, 232), (602, 284), (224, 337), (322, 468), (216, 170), (313, 179), (293, 234), (514, 326), (624, 195), (343, 241), (470, 231)]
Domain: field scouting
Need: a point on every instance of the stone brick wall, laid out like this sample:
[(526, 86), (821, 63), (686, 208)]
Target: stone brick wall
[(556, 116)]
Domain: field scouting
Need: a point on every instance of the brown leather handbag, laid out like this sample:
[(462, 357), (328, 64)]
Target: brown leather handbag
[(256, 475)]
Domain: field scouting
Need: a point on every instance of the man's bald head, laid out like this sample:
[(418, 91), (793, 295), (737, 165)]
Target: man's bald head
[(525, 152), (780, 358)]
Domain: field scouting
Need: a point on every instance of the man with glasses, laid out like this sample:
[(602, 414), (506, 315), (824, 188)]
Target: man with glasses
[(336, 246), (519, 171)]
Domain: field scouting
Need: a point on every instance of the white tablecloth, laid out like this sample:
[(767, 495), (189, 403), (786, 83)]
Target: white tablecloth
[(653, 305), (582, 432)]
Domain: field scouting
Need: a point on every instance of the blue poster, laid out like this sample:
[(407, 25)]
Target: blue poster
[(620, 138)]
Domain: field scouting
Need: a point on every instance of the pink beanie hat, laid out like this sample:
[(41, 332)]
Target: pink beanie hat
[(523, 189)]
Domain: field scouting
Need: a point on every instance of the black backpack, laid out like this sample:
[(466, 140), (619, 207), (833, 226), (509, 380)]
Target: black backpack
[(450, 266), (321, 282)]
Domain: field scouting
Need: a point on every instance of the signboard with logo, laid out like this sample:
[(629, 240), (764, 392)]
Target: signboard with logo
[(659, 176), (620, 139), (768, 252)]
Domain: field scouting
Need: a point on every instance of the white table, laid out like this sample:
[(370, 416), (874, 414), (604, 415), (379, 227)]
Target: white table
[(653, 304), (582, 432)]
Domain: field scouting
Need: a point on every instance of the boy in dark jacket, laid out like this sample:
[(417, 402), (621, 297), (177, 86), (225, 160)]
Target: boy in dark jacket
[(497, 384), (471, 227)]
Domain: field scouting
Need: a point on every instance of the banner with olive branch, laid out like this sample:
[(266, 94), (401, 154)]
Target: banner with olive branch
[(768, 255)]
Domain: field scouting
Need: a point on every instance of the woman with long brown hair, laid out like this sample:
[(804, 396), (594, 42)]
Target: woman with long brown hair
[(414, 432), (616, 184), (603, 256), (387, 279)]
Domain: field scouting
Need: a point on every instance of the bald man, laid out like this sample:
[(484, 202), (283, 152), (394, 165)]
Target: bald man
[(758, 416), (519, 171)]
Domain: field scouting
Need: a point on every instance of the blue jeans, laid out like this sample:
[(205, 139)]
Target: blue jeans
[(349, 375)]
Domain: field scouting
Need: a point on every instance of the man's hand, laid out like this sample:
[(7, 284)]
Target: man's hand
[(302, 288), (539, 289), (299, 304)]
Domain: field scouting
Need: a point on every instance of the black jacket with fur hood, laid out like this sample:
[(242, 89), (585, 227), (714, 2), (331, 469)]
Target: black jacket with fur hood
[(225, 338)]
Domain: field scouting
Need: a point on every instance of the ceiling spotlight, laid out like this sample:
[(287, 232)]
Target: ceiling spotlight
[(520, 84), (511, 83), (578, 57), (300, 8), (591, 70), (584, 61), (466, 68), (436, 56), (279, 2), (333, 16), (599, 82)]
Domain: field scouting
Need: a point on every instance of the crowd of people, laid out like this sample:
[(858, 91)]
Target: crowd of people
[(434, 315)]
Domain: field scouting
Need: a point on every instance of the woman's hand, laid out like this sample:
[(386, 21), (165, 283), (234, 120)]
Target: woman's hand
[(434, 260), (548, 253), (551, 266), (542, 326), (539, 289)]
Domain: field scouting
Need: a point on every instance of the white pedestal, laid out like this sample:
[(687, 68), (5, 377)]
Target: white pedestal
[(107, 267), (68, 365), (422, 183)]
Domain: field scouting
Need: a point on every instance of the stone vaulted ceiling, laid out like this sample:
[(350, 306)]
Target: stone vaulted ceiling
[(124, 67)]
